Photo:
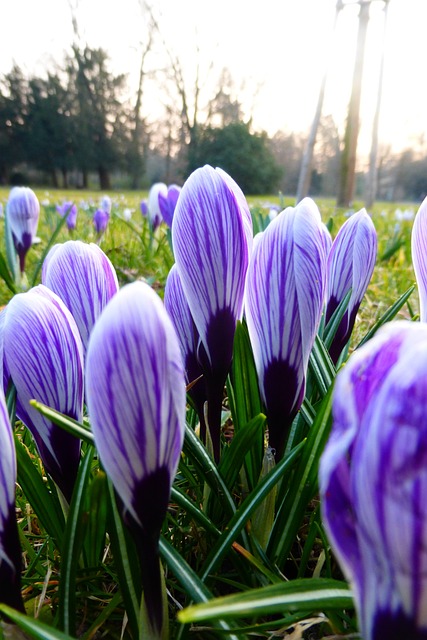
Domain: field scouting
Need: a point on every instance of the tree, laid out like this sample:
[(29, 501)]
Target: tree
[(244, 155), (13, 110)]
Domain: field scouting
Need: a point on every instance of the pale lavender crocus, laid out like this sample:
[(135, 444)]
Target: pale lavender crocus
[(154, 211), (135, 390), (43, 355), (373, 481), (101, 219), (283, 306), (106, 204), (85, 280), (351, 262), (177, 307), (22, 211), (68, 209), (212, 242), (419, 256), (167, 202), (10, 550)]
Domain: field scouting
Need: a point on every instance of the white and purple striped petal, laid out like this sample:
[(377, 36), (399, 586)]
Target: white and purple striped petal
[(167, 202), (135, 388), (211, 242), (43, 354), (419, 256), (154, 211), (283, 305), (373, 481), (351, 261), (10, 550), (84, 278), (22, 212)]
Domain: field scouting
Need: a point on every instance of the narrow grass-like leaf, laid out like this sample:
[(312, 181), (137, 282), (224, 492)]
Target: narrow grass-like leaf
[(6, 275), (97, 500), (303, 486), (44, 503), (68, 424), (333, 324), (189, 580), (37, 630), (240, 518), (305, 595), (103, 616), (126, 563), (72, 545), (321, 366), (388, 315), (194, 511)]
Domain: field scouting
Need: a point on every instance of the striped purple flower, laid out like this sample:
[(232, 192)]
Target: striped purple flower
[(419, 256), (154, 211), (283, 305), (167, 202), (177, 307), (10, 550), (351, 261), (85, 280), (68, 209), (212, 242), (135, 390), (22, 213), (373, 481), (43, 355)]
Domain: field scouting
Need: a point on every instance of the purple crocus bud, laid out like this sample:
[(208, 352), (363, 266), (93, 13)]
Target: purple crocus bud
[(177, 307), (212, 242), (105, 204), (351, 262), (283, 304), (85, 280), (68, 209), (23, 210), (154, 212), (373, 481), (144, 208), (100, 222), (135, 390), (167, 203), (10, 550), (419, 257), (43, 354)]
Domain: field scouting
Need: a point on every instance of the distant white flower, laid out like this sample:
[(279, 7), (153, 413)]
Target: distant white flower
[(127, 213)]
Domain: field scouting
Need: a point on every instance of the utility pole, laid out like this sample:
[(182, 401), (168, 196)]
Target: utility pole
[(307, 160), (348, 157), (372, 179)]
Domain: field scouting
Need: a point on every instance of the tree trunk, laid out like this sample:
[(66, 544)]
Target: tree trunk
[(348, 157), (104, 179)]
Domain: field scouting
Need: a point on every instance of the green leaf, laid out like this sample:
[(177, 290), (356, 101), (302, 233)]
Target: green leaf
[(242, 515), (97, 500), (44, 503), (6, 275), (194, 511), (303, 486), (335, 320), (388, 315), (321, 366), (34, 628), (68, 424), (302, 595), (72, 545)]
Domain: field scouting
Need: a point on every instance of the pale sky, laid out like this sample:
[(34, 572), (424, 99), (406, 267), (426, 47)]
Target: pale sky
[(277, 48)]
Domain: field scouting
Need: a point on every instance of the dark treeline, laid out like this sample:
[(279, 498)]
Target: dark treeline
[(74, 128)]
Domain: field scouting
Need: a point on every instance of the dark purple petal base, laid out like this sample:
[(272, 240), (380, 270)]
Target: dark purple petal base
[(396, 626)]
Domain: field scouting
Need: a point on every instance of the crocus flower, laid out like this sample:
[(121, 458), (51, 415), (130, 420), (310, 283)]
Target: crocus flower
[(351, 261), (212, 242), (85, 280), (144, 208), (177, 306), (22, 212), (43, 355), (68, 209), (167, 203), (154, 212), (10, 551), (105, 204), (419, 257), (283, 305), (136, 398), (373, 481), (100, 222)]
